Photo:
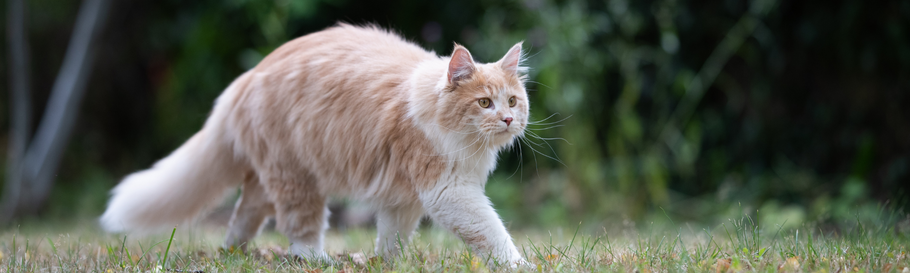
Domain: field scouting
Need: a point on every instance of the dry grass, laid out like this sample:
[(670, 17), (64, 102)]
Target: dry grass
[(733, 247)]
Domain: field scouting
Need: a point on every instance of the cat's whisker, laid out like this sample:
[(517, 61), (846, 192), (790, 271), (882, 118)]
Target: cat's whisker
[(548, 156), (548, 138), (529, 141), (520, 156), (547, 128), (520, 163), (536, 163), (545, 119), (551, 138), (542, 123), (548, 145)]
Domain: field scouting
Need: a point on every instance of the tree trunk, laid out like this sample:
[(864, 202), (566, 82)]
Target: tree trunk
[(20, 108), (42, 158)]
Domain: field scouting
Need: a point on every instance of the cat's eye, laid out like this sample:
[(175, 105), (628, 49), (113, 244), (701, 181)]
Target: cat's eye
[(485, 103), (512, 102)]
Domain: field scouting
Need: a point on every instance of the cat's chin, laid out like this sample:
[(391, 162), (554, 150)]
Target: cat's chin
[(503, 138)]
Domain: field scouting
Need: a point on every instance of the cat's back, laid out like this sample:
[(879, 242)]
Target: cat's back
[(368, 48), (332, 105)]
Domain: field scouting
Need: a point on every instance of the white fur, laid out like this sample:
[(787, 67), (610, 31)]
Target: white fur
[(458, 202), (395, 226), (312, 248), (194, 177)]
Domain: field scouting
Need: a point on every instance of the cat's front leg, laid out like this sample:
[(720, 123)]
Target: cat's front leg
[(395, 225), (464, 209)]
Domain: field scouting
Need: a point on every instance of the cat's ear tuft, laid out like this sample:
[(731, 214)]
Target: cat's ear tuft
[(461, 66), (512, 61)]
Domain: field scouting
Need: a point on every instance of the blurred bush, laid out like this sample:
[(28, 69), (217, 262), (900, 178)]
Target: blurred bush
[(697, 110)]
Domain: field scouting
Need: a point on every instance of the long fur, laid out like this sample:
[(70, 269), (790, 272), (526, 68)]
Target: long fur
[(347, 111), (180, 186)]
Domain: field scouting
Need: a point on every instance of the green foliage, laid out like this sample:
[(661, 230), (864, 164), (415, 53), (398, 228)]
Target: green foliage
[(661, 116), (643, 108)]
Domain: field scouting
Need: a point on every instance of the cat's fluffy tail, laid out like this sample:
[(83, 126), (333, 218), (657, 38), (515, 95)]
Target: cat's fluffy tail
[(180, 186)]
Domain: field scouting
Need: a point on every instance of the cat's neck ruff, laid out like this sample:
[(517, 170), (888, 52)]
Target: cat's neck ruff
[(467, 153)]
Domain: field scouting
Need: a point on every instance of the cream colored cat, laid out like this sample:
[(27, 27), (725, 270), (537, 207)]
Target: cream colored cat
[(347, 111)]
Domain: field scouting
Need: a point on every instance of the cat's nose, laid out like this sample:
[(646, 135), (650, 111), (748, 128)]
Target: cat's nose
[(508, 121)]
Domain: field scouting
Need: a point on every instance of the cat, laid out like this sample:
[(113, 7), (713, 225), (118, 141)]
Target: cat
[(353, 111)]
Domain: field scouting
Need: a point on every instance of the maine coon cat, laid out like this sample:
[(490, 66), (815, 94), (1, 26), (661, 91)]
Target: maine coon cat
[(347, 111)]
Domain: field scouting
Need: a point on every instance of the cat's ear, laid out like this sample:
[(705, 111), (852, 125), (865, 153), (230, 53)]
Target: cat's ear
[(512, 61), (461, 66)]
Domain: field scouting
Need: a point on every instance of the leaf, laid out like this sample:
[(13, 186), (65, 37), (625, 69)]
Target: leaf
[(550, 257), (722, 265)]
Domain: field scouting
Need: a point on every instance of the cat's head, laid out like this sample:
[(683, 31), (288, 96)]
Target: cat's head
[(487, 101)]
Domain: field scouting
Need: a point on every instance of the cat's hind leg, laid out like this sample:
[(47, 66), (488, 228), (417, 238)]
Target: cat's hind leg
[(250, 213), (300, 213), (395, 225)]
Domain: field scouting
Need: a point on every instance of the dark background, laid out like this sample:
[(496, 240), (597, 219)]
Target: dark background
[(793, 111)]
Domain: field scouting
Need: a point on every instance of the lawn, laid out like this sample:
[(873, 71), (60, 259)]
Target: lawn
[(735, 246)]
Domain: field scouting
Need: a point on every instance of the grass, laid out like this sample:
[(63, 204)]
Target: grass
[(736, 246)]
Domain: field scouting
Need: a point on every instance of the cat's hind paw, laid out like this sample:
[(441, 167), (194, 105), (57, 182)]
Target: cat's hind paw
[(523, 264)]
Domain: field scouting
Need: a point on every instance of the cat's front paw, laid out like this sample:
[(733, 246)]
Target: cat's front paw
[(310, 254)]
